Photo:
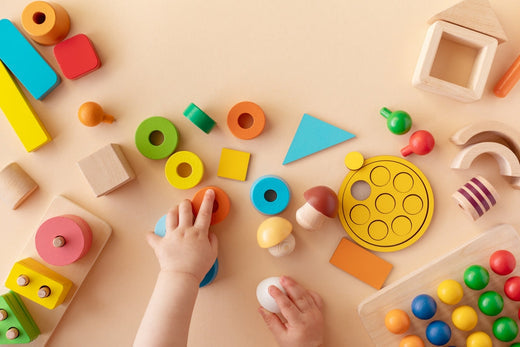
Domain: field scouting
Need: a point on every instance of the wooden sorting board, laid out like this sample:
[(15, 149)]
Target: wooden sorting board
[(46, 319), (425, 281)]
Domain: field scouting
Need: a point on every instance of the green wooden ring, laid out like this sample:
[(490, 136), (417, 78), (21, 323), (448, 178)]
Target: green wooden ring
[(145, 130), (199, 118)]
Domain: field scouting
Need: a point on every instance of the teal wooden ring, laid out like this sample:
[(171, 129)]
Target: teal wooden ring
[(199, 118), (145, 145), (270, 183)]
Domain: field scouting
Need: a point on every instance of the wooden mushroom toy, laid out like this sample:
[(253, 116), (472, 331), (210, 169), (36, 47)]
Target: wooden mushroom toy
[(275, 234), (321, 203)]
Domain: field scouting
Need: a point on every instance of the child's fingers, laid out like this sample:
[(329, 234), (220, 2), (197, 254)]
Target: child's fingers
[(172, 218), (317, 299), (203, 220), (185, 214), (153, 240), (299, 295), (287, 307), (272, 321), (213, 241)]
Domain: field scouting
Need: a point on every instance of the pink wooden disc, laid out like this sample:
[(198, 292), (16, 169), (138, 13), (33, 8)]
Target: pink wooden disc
[(77, 239)]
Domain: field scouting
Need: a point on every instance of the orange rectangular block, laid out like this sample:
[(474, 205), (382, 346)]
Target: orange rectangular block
[(360, 263)]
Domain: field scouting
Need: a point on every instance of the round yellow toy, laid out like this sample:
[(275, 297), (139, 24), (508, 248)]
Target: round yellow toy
[(385, 205)]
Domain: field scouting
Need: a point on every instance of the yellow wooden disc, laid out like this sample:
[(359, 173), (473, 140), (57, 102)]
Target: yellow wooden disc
[(394, 212), (354, 160), (184, 170)]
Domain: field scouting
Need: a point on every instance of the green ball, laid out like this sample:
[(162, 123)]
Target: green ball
[(505, 329), (516, 344), (490, 303), (476, 277)]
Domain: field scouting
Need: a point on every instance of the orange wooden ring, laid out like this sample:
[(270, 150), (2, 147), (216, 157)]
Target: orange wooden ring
[(45, 23), (221, 206), (235, 118)]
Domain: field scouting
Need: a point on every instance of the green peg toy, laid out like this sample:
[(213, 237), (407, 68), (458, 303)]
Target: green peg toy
[(398, 122)]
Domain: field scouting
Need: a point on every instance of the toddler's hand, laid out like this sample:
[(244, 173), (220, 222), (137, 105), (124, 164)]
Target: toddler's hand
[(302, 310), (187, 247)]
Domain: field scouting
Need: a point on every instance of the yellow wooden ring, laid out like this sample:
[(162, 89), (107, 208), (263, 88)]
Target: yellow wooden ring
[(184, 180)]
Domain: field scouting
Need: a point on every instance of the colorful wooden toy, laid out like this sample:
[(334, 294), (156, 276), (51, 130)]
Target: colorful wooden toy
[(15, 185), (20, 57), (199, 118), (184, 170), (360, 263), (45, 23), (502, 262), (354, 160), (396, 209), (264, 298), (424, 306), (476, 277), (62, 240), (399, 294), (512, 288), (464, 318), (246, 120), (76, 56), (39, 276), (508, 80), (438, 333), (91, 114), (490, 303), (398, 122), (411, 341), (221, 206), (144, 134), (16, 324), (20, 114), (274, 233), (106, 169), (270, 194), (476, 197), (450, 292), (314, 135), (479, 339), (421, 142), (397, 321), (233, 164), (505, 329), (321, 204)]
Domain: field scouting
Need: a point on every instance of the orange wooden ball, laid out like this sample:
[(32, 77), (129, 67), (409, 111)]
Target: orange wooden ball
[(397, 321), (91, 114), (411, 341)]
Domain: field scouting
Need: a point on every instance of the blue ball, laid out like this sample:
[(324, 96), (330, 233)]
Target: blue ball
[(424, 306), (438, 333)]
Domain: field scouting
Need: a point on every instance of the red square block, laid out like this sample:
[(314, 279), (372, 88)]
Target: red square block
[(76, 56)]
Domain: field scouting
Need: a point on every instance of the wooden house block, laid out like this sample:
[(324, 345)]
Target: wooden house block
[(486, 47), (107, 169), (15, 185), (476, 15)]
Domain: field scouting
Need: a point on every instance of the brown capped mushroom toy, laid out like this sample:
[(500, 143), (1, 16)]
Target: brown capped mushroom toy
[(275, 234), (322, 203)]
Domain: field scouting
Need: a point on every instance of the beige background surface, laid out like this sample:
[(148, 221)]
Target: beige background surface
[(340, 61)]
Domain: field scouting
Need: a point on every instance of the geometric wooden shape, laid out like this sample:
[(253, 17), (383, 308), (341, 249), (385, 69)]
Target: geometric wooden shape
[(221, 206), (25, 62), (425, 280), (76, 56), (17, 317), (15, 185), (39, 276), (20, 114), (476, 197), (508, 162), (233, 164), (476, 15), (106, 169), (484, 44), (361, 263), (45, 23)]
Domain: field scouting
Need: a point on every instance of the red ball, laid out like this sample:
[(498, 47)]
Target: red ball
[(502, 262), (512, 288)]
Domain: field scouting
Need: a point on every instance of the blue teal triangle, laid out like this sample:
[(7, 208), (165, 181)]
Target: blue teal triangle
[(314, 135)]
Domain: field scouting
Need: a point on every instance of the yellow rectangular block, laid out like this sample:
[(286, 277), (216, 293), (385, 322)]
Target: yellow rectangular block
[(33, 276), (233, 164), (20, 114)]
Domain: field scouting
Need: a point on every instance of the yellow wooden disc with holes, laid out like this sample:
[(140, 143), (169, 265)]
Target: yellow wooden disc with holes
[(386, 205)]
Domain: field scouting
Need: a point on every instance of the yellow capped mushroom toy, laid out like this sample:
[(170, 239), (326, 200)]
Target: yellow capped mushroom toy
[(275, 234)]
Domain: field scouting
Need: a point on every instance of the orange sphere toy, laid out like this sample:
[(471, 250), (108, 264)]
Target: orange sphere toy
[(91, 114)]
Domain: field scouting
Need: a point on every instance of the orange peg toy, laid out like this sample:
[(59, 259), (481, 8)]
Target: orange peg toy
[(508, 80), (91, 114)]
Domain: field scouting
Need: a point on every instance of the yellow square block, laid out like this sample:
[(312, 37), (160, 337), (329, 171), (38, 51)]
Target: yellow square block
[(37, 276), (20, 113), (233, 164)]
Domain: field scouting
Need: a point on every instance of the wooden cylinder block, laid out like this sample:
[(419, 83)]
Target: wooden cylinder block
[(63, 240), (45, 23), (15, 185), (12, 333), (476, 197)]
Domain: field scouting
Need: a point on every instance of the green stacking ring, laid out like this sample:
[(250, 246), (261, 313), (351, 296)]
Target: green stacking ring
[(199, 118), (145, 145)]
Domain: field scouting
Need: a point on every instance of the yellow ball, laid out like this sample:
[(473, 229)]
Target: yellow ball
[(450, 292), (479, 339), (464, 318)]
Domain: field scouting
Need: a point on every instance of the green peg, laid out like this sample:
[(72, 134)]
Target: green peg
[(398, 122)]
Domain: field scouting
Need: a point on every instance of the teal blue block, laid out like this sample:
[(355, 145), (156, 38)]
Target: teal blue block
[(25, 62), (314, 135)]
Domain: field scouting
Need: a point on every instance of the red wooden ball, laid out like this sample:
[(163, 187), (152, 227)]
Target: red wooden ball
[(502, 262), (512, 288)]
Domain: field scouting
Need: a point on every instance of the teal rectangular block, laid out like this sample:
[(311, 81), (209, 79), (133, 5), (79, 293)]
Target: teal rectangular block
[(24, 62)]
